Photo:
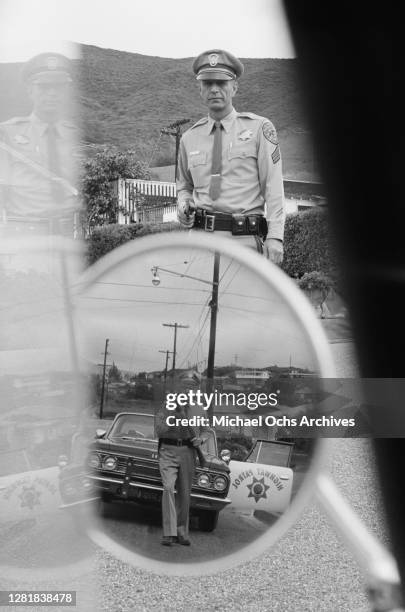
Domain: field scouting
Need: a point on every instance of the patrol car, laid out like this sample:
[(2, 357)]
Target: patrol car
[(121, 464)]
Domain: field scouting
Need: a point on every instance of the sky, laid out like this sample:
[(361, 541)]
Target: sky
[(176, 28), (255, 327)]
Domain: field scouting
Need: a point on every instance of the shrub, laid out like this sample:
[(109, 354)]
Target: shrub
[(308, 244), (108, 237), (318, 287), (312, 281)]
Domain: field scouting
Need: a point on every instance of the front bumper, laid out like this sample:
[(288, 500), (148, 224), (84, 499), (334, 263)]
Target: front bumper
[(140, 491)]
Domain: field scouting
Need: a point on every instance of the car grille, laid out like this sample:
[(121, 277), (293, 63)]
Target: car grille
[(147, 471), (142, 469)]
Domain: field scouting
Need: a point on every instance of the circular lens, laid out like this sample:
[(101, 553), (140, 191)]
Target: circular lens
[(284, 354), (94, 460), (110, 463), (203, 480), (220, 483)]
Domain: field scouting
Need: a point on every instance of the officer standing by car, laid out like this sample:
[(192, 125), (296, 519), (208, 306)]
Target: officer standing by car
[(177, 455), (37, 165), (230, 177)]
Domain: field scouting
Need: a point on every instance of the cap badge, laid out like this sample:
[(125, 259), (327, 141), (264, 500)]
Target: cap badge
[(213, 59), (52, 63)]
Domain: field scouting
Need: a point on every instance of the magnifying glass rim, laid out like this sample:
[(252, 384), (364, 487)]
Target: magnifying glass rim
[(303, 310)]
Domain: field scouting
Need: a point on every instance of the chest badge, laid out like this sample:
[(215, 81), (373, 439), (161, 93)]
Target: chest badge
[(21, 139), (245, 135)]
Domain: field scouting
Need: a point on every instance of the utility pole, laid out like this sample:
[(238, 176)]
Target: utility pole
[(174, 130), (213, 331), (176, 327), (167, 361), (103, 380)]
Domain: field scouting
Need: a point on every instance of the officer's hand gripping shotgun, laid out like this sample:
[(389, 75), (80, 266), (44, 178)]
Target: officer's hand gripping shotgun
[(189, 207), (200, 455)]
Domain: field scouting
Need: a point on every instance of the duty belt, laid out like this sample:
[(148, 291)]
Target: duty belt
[(239, 225), (175, 441)]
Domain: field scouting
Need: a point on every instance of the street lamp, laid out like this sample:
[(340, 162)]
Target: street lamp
[(156, 278)]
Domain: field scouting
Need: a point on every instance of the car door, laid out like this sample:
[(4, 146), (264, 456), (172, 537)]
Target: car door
[(263, 481), (26, 493)]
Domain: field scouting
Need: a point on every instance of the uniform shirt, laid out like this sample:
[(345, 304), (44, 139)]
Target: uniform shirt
[(251, 177), (163, 430), (25, 190)]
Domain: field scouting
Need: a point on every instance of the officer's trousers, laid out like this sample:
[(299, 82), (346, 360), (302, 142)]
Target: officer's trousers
[(176, 464)]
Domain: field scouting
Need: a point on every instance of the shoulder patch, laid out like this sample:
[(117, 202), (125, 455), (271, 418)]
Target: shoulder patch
[(248, 115), (269, 132), (202, 121)]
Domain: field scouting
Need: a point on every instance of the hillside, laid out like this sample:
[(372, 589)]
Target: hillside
[(126, 98)]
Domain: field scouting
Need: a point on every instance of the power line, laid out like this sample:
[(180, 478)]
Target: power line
[(162, 303), (199, 335), (151, 287)]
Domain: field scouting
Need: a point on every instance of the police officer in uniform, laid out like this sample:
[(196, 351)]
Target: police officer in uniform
[(176, 465), (37, 166), (178, 445), (230, 177)]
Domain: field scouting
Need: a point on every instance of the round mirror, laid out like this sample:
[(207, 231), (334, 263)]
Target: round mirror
[(192, 347)]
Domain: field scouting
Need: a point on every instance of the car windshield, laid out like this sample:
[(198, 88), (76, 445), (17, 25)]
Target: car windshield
[(133, 426), (271, 453)]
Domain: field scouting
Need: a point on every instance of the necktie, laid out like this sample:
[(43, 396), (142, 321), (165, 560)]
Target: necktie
[(54, 164), (53, 151), (216, 168)]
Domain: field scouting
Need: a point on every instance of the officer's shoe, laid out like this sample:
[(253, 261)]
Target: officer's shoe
[(182, 540), (168, 540)]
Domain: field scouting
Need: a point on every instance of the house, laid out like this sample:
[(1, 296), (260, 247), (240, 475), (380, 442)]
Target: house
[(141, 201)]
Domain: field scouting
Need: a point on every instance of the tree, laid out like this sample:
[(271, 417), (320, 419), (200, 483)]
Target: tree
[(99, 171), (114, 375), (318, 286)]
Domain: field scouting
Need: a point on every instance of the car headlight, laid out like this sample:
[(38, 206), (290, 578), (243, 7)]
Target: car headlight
[(110, 463), (68, 489), (94, 460), (220, 483), (86, 484), (203, 480)]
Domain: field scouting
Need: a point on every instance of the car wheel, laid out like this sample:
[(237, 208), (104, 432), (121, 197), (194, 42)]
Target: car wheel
[(106, 497), (207, 520), (103, 504)]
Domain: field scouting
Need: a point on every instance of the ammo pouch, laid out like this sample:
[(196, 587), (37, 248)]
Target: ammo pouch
[(251, 224)]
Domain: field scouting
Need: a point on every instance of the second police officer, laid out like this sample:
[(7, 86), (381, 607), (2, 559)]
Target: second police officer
[(230, 177), (38, 170)]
